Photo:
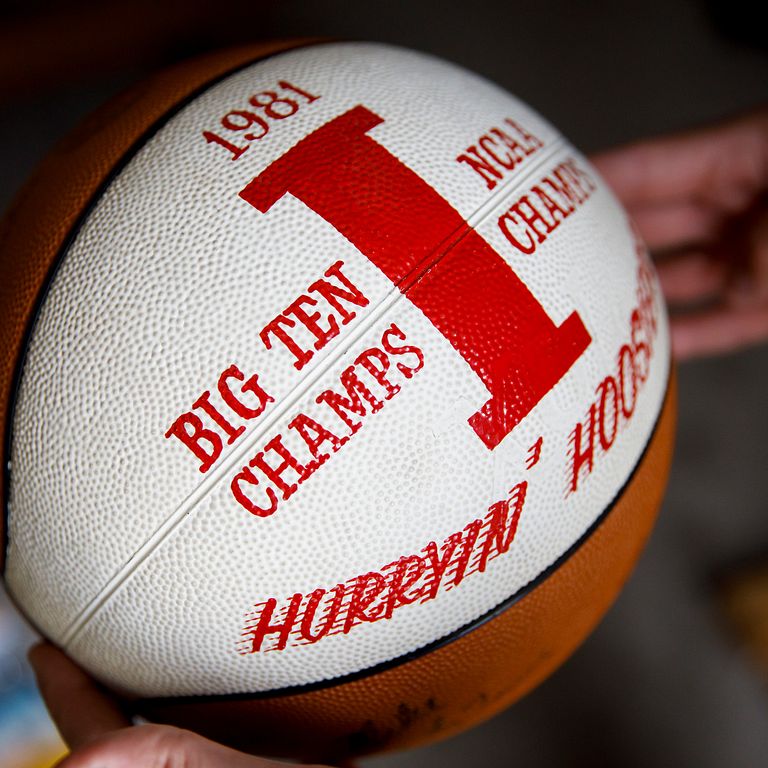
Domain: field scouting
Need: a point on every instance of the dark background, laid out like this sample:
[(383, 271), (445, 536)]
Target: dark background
[(663, 680)]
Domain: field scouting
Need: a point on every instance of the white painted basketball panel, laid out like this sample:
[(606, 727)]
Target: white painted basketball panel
[(153, 566), (444, 481)]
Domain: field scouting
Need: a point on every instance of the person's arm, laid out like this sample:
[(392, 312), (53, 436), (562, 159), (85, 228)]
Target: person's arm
[(700, 200)]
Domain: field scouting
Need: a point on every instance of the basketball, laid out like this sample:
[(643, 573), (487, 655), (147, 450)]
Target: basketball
[(337, 398)]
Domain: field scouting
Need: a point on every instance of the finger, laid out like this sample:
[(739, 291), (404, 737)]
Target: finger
[(79, 707), (726, 165), (758, 257), (675, 225), (718, 331), (749, 285), (691, 277)]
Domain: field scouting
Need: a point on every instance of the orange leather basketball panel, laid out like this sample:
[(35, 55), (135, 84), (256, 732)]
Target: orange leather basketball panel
[(468, 680), (48, 207)]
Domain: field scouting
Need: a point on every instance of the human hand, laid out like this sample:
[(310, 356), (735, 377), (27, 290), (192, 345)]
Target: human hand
[(100, 735), (700, 201)]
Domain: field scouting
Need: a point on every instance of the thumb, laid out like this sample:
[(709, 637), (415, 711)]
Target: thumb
[(101, 736), (159, 746), (81, 709)]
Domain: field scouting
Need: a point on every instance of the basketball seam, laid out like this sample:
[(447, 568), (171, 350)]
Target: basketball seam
[(212, 481)]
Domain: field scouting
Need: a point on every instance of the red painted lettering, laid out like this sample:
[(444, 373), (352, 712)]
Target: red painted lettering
[(582, 456), (535, 215), (501, 526), (406, 349), (335, 295), (281, 627), (376, 595), (204, 443), (490, 175), (241, 408), (610, 417), (323, 326), (327, 619), (314, 435), (277, 328), (246, 476), (287, 462), (356, 392), (366, 590)]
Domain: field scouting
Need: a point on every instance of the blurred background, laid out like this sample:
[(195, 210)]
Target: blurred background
[(674, 675)]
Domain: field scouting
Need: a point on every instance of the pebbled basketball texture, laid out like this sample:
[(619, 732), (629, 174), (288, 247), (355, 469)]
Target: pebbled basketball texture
[(337, 397)]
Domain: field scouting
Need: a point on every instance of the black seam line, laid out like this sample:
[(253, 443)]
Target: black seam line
[(159, 701), (67, 243)]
